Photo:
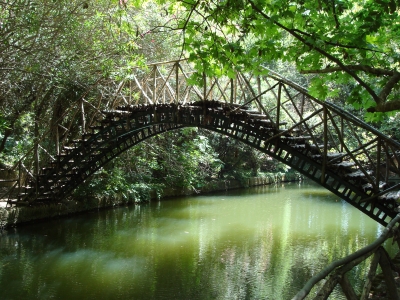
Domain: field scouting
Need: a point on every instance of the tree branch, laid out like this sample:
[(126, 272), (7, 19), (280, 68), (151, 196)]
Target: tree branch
[(376, 98), (334, 14), (185, 25), (386, 106), (389, 85), (364, 68), (336, 44), (322, 52)]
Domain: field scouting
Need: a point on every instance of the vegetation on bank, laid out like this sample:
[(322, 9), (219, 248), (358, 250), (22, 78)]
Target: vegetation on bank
[(186, 159)]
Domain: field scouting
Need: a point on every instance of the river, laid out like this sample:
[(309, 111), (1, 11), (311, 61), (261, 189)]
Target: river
[(255, 243)]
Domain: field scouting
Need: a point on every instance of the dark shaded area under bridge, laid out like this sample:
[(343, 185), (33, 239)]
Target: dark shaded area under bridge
[(275, 116)]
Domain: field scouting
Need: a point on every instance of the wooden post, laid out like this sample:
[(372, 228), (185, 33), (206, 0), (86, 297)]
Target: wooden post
[(57, 141), (204, 87), (278, 106), (130, 92), (177, 82), (83, 117), (19, 177), (325, 157), (36, 154), (341, 132), (347, 288), (371, 275), (141, 86), (232, 92), (378, 159), (259, 92), (235, 89), (155, 85)]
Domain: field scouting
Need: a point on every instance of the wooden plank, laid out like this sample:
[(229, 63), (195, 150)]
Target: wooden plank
[(344, 164), (8, 180), (358, 174)]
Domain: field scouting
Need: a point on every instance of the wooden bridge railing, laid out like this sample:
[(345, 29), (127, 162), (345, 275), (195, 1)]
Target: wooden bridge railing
[(332, 138), (171, 82)]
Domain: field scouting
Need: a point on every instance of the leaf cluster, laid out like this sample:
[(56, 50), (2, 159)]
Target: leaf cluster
[(344, 42)]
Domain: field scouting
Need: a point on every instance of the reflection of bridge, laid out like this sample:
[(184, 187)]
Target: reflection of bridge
[(318, 139)]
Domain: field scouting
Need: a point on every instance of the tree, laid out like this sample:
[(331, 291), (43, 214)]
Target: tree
[(350, 42), (54, 54), (179, 159)]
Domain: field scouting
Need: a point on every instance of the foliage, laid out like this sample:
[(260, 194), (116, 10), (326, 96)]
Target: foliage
[(20, 142), (188, 158), (155, 40), (241, 161), (181, 159), (347, 42), (56, 56), (53, 55), (390, 126), (112, 183)]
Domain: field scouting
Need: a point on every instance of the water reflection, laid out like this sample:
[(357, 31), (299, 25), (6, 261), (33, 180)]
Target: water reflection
[(261, 243)]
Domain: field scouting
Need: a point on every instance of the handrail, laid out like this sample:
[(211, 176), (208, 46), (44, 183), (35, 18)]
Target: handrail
[(166, 62), (331, 105)]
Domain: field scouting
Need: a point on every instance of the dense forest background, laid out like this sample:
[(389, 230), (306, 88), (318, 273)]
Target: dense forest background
[(56, 56)]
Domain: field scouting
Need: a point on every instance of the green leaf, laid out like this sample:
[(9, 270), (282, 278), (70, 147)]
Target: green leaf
[(318, 88)]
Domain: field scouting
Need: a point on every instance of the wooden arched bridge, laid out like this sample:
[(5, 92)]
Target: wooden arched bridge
[(319, 139)]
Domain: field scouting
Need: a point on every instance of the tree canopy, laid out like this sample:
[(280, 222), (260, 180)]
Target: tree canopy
[(61, 62), (58, 56), (350, 42)]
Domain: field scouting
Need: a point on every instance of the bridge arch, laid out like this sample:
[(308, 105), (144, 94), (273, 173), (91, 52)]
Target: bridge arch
[(128, 126), (319, 139)]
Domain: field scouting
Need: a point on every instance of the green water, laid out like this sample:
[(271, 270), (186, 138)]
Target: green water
[(258, 243)]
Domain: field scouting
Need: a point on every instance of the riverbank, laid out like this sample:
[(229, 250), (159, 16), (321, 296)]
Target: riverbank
[(12, 216)]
